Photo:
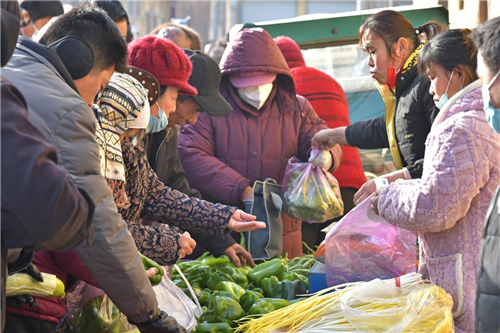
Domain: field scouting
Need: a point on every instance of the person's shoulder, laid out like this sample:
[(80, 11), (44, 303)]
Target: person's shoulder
[(303, 103)]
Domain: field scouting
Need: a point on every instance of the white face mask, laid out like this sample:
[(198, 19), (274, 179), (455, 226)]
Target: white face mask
[(256, 96)]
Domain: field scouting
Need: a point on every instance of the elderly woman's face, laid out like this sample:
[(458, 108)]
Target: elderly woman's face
[(166, 102)]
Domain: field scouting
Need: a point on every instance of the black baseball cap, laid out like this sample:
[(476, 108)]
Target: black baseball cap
[(205, 77)]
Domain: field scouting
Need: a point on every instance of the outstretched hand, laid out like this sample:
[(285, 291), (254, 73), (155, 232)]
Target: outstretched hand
[(324, 139), (239, 256), (243, 222)]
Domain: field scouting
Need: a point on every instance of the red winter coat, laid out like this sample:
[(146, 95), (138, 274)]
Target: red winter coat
[(328, 100), (224, 155)]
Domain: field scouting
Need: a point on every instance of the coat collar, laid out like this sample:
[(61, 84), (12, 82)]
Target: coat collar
[(446, 108)]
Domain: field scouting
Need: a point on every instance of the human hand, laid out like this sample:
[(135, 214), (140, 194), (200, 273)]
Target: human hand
[(152, 272), (247, 194), (243, 222), (374, 203), (21, 300), (365, 191), (186, 245), (33, 271), (239, 256), (321, 158), (327, 139), (160, 323)]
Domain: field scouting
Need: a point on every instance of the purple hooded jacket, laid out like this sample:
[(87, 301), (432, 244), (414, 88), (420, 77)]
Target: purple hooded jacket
[(224, 155), (447, 206)]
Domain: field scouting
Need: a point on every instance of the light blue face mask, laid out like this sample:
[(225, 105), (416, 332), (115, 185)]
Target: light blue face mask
[(442, 101), (492, 114), (156, 125)]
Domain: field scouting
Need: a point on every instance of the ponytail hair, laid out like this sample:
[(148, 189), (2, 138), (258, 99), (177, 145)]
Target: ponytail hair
[(450, 49), (390, 25)]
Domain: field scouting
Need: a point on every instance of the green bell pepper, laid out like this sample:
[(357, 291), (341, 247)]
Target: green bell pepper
[(231, 287), (302, 279), (261, 307), (244, 269), (277, 302), (213, 328), (268, 285), (226, 294), (180, 283), (289, 289), (196, 282), (223, 309), (203, 297), (217, 277), (284, 290), (249, 298), (212, 261), (236, 274), (257, 290), (274, 267), (148, 263), (201, 272)]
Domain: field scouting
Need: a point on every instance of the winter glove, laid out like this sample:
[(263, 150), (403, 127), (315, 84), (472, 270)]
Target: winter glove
[(21, 300), (321, 158), (32, 271), (161, 323)]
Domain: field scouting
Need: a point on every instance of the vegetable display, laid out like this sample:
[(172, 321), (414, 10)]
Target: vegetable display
[(228, 293)]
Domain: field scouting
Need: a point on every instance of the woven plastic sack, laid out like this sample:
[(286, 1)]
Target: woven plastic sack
[(88, 309), (310, 193), (363, 246), (422, 308)]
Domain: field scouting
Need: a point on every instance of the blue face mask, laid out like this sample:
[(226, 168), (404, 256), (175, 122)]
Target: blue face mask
[(156, 125), (492, 114), (442, 101)]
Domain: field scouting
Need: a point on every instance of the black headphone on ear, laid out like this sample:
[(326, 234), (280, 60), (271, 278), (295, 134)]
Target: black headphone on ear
[(75, 54)]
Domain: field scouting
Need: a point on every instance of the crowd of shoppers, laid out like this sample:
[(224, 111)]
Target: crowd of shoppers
[(123, 146)]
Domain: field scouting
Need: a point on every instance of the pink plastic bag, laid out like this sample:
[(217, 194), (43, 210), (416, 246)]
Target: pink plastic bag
[(363, 246), (310, 193)]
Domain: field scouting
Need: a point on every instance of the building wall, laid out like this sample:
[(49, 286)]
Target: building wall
[(146, 15), (466, 13)]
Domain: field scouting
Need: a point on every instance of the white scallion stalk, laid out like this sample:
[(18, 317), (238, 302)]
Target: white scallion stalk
[(319, 313)]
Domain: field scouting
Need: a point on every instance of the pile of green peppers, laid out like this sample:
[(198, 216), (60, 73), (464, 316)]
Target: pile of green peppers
[(228, 293)]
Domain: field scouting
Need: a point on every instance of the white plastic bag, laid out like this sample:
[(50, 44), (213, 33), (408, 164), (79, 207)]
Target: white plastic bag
[(176, 304)]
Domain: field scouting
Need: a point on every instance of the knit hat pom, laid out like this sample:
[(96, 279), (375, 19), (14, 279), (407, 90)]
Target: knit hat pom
[(291, 51), (251, 79)]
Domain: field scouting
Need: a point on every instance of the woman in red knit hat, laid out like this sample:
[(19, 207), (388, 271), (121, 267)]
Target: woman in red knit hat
[(328, 100), (148, 198), (171, 68)]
